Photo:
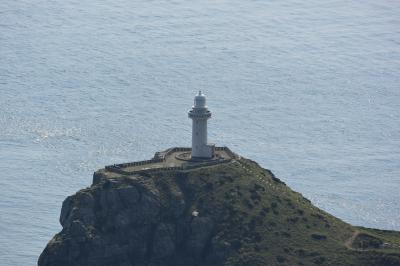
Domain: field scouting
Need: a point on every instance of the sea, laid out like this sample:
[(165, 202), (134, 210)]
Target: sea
[(309, 89)]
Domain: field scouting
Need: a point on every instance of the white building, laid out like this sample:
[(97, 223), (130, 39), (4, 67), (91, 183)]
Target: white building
[(200, 114)]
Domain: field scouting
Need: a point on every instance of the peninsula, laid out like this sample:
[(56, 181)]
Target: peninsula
[(205, 205)]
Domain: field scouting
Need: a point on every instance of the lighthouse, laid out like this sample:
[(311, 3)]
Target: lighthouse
[(199, 115)]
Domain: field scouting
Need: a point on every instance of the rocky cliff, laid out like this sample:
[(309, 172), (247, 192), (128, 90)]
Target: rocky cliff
[(234, 213)]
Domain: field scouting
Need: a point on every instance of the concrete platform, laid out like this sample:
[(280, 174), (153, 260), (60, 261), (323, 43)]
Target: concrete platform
[(177, 158)]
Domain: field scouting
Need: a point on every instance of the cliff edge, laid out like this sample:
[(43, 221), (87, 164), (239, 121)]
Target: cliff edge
[(229, 213)]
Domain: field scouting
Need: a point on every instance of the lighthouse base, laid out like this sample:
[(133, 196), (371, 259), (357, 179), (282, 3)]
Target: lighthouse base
[(187, 156), (204, 151)]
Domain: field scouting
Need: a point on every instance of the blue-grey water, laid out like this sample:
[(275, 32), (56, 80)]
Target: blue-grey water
[(309, 89)]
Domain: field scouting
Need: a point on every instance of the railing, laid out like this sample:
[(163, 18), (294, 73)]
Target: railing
[(160, 157), (150, 170), (227, 150), (124, 165), (210, 163)]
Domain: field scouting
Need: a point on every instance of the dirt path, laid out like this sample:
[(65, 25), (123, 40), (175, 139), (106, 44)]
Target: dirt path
[(349, 242)]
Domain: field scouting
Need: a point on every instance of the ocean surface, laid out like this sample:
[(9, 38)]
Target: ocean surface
[(309, 89)]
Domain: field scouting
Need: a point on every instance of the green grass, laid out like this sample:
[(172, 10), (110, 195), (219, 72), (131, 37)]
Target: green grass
[(266, 223)]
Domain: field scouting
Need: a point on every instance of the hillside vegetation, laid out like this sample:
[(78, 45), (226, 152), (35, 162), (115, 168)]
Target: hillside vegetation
[(229, 214)]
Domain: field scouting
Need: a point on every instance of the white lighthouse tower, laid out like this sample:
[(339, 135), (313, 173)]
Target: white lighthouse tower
[(200, 114)]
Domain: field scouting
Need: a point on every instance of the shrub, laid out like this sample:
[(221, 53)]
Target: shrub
[(265, 209), (286, 250), (301, 252), (319, 260), (258, 237), (293, 220), (236, 244), (318, 237), (273, 224), (258, 187), (280, 259)]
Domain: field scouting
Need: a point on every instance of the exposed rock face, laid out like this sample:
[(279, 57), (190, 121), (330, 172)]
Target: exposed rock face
[(128, 221), (230, 214)]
